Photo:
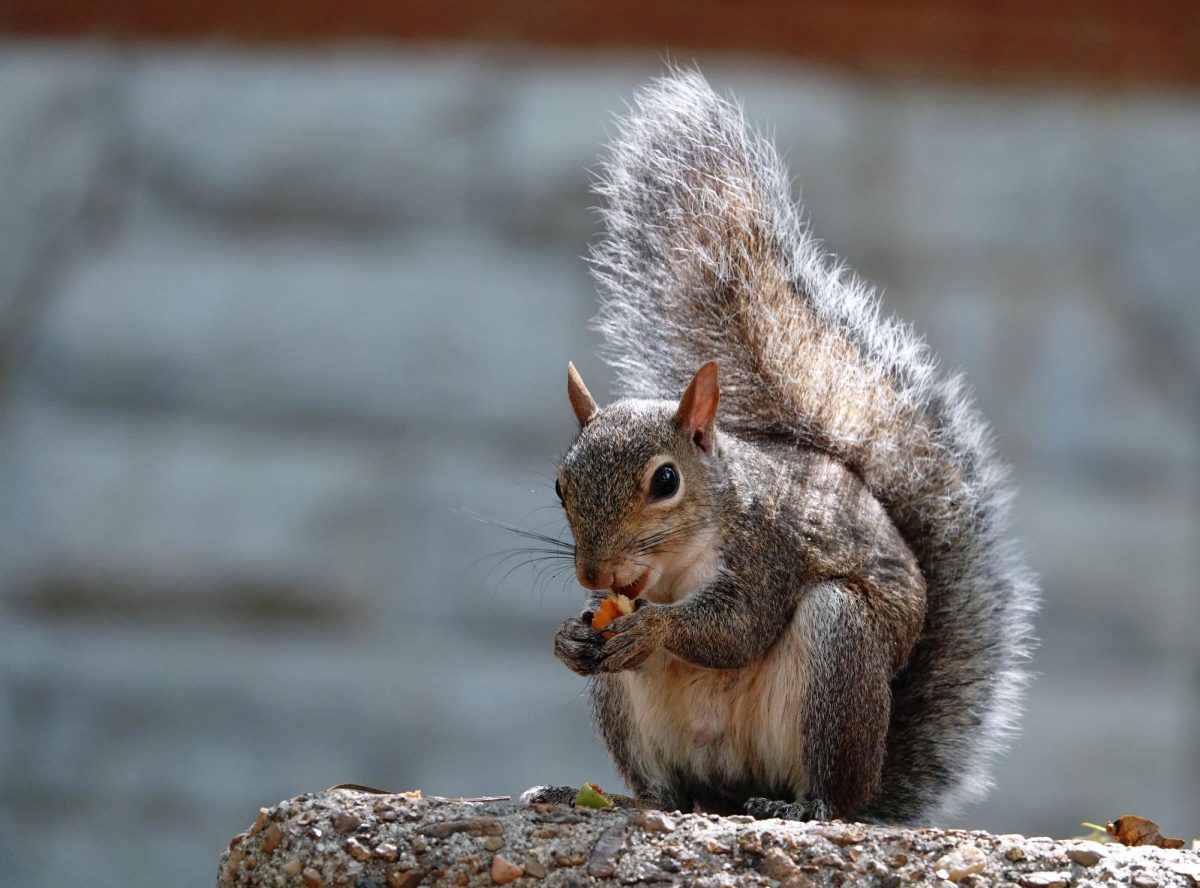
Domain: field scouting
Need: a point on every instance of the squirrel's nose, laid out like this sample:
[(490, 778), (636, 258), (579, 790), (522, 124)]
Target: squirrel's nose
[(594, 576)]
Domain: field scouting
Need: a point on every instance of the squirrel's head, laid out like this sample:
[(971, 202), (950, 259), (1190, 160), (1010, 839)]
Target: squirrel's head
[(638, 486)]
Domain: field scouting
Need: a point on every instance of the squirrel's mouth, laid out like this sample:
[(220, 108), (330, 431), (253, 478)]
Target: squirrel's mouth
[(634, 589)]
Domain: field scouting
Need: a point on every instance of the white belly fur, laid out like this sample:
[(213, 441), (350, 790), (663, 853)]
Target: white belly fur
[(725, 726)]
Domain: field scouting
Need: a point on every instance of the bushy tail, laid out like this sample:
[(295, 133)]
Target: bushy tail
[(706, 257)]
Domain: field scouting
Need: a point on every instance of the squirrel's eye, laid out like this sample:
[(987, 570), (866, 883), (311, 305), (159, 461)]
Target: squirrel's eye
[(558, 490), (664, 482)]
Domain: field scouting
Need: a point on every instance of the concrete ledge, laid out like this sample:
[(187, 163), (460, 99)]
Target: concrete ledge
[(366, 840)]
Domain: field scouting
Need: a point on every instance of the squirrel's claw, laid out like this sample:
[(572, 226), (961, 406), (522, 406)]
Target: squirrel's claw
[(804, 809), (591, 609), (579, 646), (636, 637)]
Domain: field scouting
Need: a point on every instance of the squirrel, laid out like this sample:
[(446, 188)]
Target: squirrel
[(830, 619)]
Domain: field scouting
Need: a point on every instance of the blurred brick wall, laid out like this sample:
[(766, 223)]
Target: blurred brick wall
[(272, 320), (1122, 43)]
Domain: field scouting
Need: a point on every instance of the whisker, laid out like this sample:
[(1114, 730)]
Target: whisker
[(520, 531), (659, 541), (534, 553), (538, 562)]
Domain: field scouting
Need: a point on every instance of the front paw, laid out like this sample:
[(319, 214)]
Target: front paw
[(579, 646), (804, 809), (635, 637)]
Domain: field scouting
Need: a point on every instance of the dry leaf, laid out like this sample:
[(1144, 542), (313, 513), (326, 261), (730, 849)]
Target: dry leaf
[(1129, 829), (410, 794), (592, 796), (358, 787)]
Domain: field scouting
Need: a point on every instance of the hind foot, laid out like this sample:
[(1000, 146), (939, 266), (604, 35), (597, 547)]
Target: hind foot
[(803, 809), (549, 795)]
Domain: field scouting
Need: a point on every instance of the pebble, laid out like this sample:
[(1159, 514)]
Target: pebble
[(797, 881), (312, 878), (750, 841), (533, 867), (1086, 855), (1014, 853), (1045, 880), (1191, 870), (504, 871), (574, 857), (357, 850), (842, 835), (645, 871), (386, 851), (716, 846), (420, 845), (291, 867), (271, 838), (345, 822), (654, 821), (260, 821), (488, 826), (602, 861), (829, 861), (778, 865), (963, 861), (493, 843), (405, 878), (1144, 881)]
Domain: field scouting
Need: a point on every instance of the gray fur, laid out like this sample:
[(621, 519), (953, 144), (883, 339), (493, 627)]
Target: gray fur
[(706, 257)]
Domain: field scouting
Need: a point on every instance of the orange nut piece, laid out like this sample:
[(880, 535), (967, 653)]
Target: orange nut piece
[(610, 608)]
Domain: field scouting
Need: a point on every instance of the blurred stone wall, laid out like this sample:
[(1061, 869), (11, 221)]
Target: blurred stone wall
[(275, 326)]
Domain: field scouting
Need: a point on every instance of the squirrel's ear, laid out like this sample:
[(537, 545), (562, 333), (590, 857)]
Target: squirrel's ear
[(698, 406), (581, 399)]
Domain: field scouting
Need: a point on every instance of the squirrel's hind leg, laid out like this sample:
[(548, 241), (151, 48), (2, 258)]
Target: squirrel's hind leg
[(549, 795)]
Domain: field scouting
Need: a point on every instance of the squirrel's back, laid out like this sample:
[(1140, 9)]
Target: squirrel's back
[(706, 257)]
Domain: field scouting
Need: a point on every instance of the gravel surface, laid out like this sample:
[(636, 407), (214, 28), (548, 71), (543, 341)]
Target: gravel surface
[(370, 840)]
